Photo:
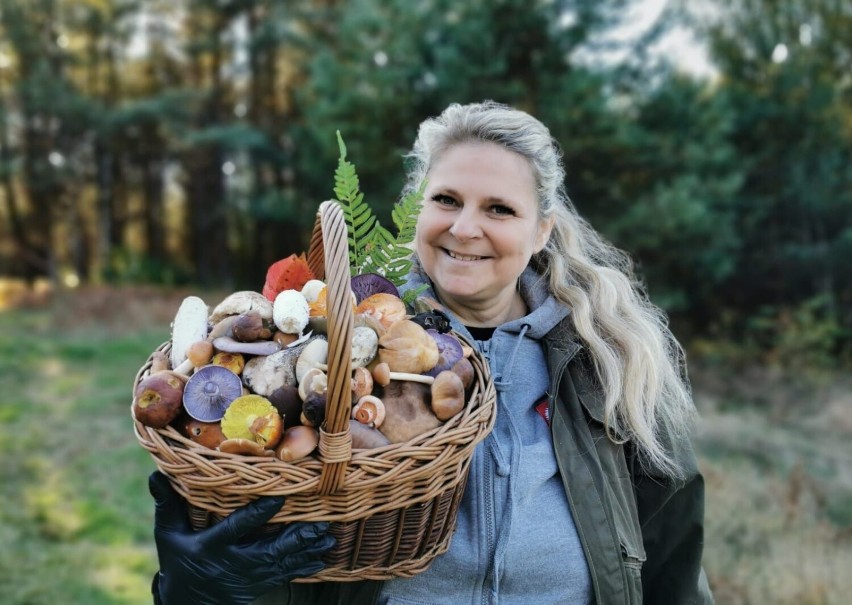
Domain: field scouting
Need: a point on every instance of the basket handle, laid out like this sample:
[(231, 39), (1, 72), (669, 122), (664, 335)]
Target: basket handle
[(328, 257)]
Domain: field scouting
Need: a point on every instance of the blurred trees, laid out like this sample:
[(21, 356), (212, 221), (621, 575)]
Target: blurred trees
[(192, 140)]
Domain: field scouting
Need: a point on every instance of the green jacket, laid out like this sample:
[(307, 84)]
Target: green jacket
[(642, 532)]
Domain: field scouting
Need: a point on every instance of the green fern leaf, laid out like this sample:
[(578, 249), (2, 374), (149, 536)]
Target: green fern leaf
[(372, 248)]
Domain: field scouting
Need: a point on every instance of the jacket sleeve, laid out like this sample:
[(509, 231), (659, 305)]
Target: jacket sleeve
[(671, 515)]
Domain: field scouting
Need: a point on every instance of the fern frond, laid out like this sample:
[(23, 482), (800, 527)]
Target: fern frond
[(360, 220), (372, 248)]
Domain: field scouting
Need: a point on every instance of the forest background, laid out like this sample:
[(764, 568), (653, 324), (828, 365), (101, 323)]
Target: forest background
[(150, 149)]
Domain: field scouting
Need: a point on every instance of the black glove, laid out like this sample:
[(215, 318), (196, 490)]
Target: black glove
[(214, 566)]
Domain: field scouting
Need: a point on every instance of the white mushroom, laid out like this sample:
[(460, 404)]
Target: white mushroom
[(188, 327), (311, 289), (314, 380), (290, 312), (264, 374), (314, 355), (365, 344), (242, 302)]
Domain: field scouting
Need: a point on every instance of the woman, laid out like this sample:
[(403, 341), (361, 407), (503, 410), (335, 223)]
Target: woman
[(587, 489)]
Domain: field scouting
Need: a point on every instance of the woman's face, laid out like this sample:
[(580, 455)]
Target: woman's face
[(479, 227)]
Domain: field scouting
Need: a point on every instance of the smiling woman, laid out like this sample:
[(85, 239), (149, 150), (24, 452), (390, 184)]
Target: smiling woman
[(587, 489), (478, 228)]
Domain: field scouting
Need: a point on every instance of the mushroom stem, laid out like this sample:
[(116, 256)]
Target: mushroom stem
[(382, 375), (261, 347)]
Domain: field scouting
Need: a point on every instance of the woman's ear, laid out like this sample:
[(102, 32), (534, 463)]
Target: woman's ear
[(545, 228)]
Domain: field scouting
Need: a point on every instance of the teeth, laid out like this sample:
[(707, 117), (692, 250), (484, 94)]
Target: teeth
[(463, 257)]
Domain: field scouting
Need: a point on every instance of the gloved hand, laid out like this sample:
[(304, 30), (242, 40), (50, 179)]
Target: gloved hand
[(214, 566)]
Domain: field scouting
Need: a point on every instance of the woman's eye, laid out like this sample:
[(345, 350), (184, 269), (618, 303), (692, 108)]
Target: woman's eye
[(443, 199), (502, 210)]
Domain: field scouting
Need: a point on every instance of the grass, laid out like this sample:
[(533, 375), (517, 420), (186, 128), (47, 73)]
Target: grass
[(76, 517)]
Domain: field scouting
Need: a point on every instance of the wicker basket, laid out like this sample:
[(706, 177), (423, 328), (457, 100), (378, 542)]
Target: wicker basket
[(391, 509)]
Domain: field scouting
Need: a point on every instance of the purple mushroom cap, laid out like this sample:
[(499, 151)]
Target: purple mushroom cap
[(449, 352), (210, 391), (367, 284)]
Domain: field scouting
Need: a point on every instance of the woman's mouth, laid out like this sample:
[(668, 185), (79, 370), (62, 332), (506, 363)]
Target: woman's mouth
[(463, 257)]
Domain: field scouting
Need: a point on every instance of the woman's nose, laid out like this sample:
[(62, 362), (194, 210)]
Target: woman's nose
[(466, 226)]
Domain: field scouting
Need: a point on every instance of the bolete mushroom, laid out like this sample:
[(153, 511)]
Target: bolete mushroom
[(408, 413), (447, 395), (406, 347), (249, 327), (209, 392), (297, 442), (157, 398), (288, 403)]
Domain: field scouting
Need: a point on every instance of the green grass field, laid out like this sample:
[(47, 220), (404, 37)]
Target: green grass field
[(76, 517)]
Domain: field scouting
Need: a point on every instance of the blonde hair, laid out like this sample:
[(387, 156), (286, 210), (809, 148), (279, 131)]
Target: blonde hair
[(639, 363)]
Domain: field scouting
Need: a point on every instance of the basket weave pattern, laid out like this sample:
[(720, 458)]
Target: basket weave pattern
[(391, 509)]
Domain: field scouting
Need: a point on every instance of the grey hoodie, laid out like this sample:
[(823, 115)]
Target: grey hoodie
[(515, 540)]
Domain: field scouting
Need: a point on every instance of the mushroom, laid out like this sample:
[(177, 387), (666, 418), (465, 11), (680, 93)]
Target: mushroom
[(223, 327), (313, 408), (386, 308), (362, 383), (249, 327), (365, 343), (314, 355), (297, 442), (261, 347), (264, 374), (365, 285), (382, 375), (199, 353), (465, 371), (408, 413), (365, 437), (157, 398), (254, 418), (189, 326), (406, 347), (447, 395), (290, 312), (242, 302), (369, 410), (210, 391), (246, 447), (314, 380), (288, 403), (233, 361), (449, 351), (208, 434), (311, 289)]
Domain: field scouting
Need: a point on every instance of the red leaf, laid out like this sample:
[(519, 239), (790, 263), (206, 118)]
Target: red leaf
[(289, 273)]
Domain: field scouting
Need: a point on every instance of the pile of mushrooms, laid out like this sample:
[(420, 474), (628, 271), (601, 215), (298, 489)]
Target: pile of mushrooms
[(250, 376)]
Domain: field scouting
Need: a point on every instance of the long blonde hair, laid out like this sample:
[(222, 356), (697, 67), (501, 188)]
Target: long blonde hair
[(639, 363)]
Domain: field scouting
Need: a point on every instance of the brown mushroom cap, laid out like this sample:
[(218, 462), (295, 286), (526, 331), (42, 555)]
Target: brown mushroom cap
[(406, 347), (447, 395)]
